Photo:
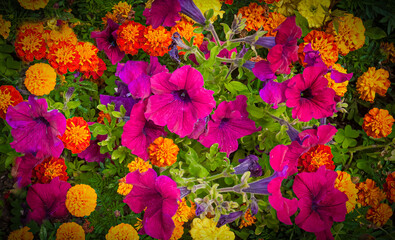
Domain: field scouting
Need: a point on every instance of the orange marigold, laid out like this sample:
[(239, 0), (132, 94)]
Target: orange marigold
[(130, 37), (21, 234), (122, 231), (339, 88), (316, 157), (64, 34), (163, 152), (248, 219), (183, 212), (33, 4), (30, 45), (344, 184), (103, 116), (178, 230), (185, 29), (369, 194), (139, 164), (63, 57), (379, 215), (121, 12), (371, 82), (81, 200), (255, 15), (4, 27), (389, 50), (157, 41), (40, 79), (70, 231), (9, 96), (77, 135), (377, 123), (256, 59), (49, 169), (123, 187), (96, 72), (272, 22), (34, 26), (88, 56), (138, 225), (389, 187)]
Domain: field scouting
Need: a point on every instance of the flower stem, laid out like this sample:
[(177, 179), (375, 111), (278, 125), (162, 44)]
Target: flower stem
[(361, 148), (226, 189), (215, 35)]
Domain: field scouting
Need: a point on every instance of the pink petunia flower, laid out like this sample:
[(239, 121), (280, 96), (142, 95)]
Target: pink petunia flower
[(24, 167)]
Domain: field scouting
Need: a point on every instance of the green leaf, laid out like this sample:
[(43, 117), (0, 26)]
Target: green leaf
[(302, 23), (73, 104), (349, 132), (102, 107), (13, 64), (86, 168), (6, 48), (375, 33), (209, 14), (116, 114), (226, 27), (255, 111), (238, 86)]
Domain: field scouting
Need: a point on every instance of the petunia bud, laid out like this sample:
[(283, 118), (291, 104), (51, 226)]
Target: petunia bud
[(250, 163), (224, 219)]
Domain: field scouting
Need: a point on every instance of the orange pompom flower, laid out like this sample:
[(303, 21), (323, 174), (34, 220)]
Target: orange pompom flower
[(9, 96), (272, 22), (4, 27), (163, 152), (377, 123), (178, 230), (339, 88), (33, 4), (139, 164), (122, 231), (77, 135), (88, 56), (30, 45), (255, 15), (369, 194), (185, 29), (70, 231), (389, 187), (120, 12), (102, 116), (371, 82), (389, 51), (64, 34), (40, 79), (49, 169), (130, 37), (183, 212), (316, 157), (344, 184), (34, 26), (21, 234), (96, 72), (157, 41), (379, 215), (63, 57), (249, 219), (123, 187), (81, 200)]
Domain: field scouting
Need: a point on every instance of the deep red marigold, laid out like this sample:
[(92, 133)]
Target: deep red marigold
[(9, 96), (317, 156), (77, 135), (389, 187), (30, 45), (130, 37), (49, 169), (63, 57)]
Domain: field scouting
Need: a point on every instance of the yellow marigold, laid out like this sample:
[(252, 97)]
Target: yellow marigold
[(378, 123), (88, 56), (339, 88), (351, 34), (157, 41), (313, 11), (33, 4), (139, 164), (81, 200), (206, 229), (178, 230), (272, 22), (163, 152), (255, 15), (183, 212), (369, 194), (120, 12), (371, 82), (70, 231), (4, 27), (344, 184), (248, 219), (122, 231), (138, 225), (389, 50), (123, 187), (205, 5), (380, 215), (64, 34), (40, 79), (21, 234), (389, 187), (286, 7), (185, 29)]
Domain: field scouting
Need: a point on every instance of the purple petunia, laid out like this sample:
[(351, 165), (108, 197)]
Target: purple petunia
[(34, 129), (250, 163), (92, 153), (24, 167), (179, 100), (273, 93), (263, 71)]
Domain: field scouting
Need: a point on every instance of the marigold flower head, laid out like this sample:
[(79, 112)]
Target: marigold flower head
[(378, 123), (344, 184), (185, 29), (248, 219), (21, 234), (350, 35), (272, 22), (71, 231), (102, 116), (33, 4), (389, 50), (130, 37), (255, 15), (256, 59), (49, 169), (339, 88), (138, 225), (139, 164), (88, 56), (325, 44), (77, 135), (123, 187), (157, 41), (389, 187), (313, 11), (4, 27), (379, 215), (34, 26), (317, 156), (40, 79), (64, 34), (206, 228), (122, 231), (369, 194), (81, 200), (371, 82), (96, 72), (183, 212), (178, 230), (163, 152), (286, 7), (9, 96), (30, 45), (204, 6), (120, 12), (63, 57)]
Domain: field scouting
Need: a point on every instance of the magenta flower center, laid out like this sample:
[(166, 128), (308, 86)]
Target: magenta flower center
[(182, 95), (41, 119), (306, 93)]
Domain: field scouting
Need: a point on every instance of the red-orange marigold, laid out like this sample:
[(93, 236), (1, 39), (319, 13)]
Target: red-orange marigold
[(63, 57), (389, 187), (369, 194), (379, 215), (9, 96), (255, 15), (185, 29), (317, 156), (49, 169), (130, 37), (77, 135), (163, 152), (157, 41), (88, 56), (30, 45)]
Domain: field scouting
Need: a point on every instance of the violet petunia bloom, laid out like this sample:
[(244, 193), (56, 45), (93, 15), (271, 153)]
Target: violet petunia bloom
[(261, 186), (313, 57), (320, 203), (199, 128), (309, 96), (286, 49), (250, 163), (35, 130), (263, 71), (107, 41), (179, 100), (139, 133), (228, 123), (92, 153), (231, 217), (274, 93), (159, 197), (24, 167), (47, 200)]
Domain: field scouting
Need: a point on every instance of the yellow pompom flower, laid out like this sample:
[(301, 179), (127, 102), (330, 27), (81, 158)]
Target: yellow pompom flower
[(40, 79), (205, 5), (21, 234), (371, 82), (33, 4), (139, 164), (4, 27), (70, 231), (206, 229), (344, 184), (81, 200), (286, 7), (122, 231), (163, 152), (378, 123), (123, 187), (339, 88), (313, 11), (380, 215)]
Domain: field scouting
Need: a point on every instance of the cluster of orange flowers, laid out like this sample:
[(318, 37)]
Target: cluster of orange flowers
[(184, 214), (120, 13)]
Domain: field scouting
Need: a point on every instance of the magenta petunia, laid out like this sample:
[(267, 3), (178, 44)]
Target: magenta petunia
[(320, 203), (159, 197), (228, 123), (92, 153), (273, 93), (35, 129), (139, 133), (163, 13), (309, 96), (179, 100), (24, 167), (263, 71), (47, 200)]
